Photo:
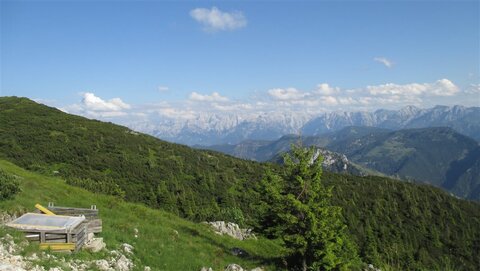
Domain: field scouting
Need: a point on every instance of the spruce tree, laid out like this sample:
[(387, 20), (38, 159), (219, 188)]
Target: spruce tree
[(298, 209)]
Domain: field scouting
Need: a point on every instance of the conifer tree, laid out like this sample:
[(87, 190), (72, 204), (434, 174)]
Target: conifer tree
[(298, 208)]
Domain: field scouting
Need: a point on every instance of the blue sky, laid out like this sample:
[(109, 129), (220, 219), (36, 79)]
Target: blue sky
[(240, 54)]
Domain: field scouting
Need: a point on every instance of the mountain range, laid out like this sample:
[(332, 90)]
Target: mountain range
[(213, 128), (438, 155)]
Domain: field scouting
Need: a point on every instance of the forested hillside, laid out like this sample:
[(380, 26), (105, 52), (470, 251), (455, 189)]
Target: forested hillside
[(112, 159), (437, 155), (395, 224)]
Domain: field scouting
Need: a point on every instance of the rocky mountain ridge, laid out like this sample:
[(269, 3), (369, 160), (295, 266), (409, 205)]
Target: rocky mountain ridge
[(230, 128)]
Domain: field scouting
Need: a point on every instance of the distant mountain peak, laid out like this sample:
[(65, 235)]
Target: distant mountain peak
[(212, 129)]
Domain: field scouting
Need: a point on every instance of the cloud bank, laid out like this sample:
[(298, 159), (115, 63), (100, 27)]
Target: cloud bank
[(323, 97)]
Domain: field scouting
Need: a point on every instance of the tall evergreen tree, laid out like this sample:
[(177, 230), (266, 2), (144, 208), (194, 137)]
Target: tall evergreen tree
[(298, 207)]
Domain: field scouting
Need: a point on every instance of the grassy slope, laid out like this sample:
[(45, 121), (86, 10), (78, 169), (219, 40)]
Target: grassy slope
[(157, 246)]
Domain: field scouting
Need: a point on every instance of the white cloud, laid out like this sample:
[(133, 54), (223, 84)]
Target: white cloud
[(325, 89), (162, 88), (280, 100), (214, 97), (388, 63), (388, 95), (286, 94), (442, 87), (215, 20), (473, 89), (94, 106), (328, 100), (94, 103), (233, 107)]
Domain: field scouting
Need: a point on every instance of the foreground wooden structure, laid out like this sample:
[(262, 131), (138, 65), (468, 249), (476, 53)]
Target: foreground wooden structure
[(93, 222), (59, 228), (55, 232)]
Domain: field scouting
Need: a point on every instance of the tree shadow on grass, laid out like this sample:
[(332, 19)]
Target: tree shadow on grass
[(237, 250)]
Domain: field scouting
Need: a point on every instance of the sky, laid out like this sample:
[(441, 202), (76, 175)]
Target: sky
[(108, 59)]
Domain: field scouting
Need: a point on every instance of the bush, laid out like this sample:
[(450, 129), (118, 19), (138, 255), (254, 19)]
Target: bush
[(8, 185), (105, 186)]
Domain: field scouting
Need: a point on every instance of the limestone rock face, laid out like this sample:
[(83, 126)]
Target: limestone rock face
[(231, 229)]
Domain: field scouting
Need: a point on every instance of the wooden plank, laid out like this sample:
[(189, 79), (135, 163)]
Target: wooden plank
[(43, 209), (95, 226), (58, 246), (60, 240), (73, 210), (42, 237)]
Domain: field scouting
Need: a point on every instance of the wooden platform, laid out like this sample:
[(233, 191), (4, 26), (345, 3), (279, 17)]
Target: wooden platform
[(55, 232), (92, 220)]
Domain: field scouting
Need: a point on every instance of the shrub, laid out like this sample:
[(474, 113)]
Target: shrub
[(8, 185)]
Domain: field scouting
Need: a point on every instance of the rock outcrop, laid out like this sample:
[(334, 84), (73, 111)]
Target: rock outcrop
[(11, 260), (231, 229)]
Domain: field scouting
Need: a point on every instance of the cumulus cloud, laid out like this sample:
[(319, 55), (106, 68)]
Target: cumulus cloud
[(325, 89), (442, 87), (216, 20), (286, 94), (214, 97), (322, 97), (386, 62), (92, 102), (96, 107), (375, 96)]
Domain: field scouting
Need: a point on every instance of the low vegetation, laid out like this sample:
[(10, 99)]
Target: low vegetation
[(8, 186)]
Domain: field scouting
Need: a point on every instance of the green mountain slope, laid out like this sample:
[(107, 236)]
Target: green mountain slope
[(439, 156), (165, 241), (113, 159)]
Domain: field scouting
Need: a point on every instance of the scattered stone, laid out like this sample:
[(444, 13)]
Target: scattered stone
[(147, 268), (90, 236), (370, 267), (232, 229), (206, 269), (9, 267), (127, 248), (102, 265), (95, 245), (234, 267), (5, 218), (258, 269), (135, 231), (239, 252), (123, 264)]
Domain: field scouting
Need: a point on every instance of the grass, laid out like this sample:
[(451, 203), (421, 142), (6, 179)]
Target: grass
[(165, 241)]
